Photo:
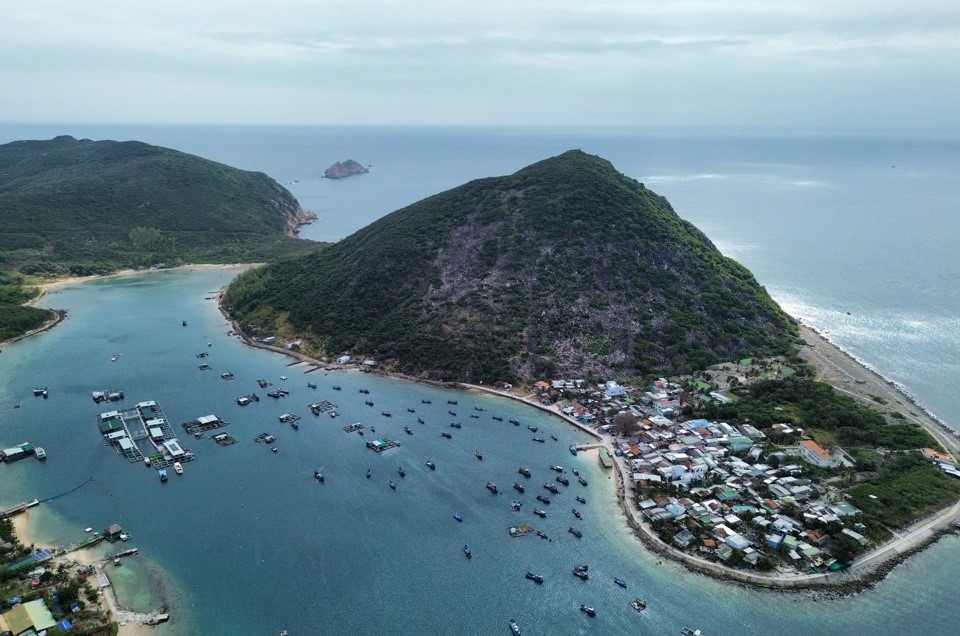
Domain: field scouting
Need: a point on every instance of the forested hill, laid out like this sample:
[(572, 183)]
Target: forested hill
[(565, 268), (81, 206)]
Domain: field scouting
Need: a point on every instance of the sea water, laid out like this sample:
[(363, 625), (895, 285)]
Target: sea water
[(850, 233)]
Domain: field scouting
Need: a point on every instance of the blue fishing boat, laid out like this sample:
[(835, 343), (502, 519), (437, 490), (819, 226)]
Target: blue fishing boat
[(467, 552)]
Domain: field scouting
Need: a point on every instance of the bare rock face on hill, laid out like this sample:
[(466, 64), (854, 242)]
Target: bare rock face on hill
[(343, 169), (566, 268)]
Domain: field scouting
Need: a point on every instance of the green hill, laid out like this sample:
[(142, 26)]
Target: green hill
[(82, 206), (565, 268)]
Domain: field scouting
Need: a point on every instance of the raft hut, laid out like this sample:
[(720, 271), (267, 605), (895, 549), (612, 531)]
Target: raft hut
[(14, 453), (605, 460), (380, 445)]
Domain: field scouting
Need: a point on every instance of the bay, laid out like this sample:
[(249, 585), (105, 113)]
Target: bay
[(853, 233)]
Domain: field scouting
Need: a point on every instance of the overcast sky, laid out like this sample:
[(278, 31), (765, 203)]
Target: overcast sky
[(836, 63)]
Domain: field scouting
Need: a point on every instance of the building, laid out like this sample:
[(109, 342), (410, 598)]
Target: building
[(27, 618), (813, 453)]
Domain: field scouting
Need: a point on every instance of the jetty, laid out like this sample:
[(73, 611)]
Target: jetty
[(17, 509)]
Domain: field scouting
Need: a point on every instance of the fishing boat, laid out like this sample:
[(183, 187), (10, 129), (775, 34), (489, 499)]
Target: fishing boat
[(311, 385), (393, 485), (364, 391), (533, 429), (410, 410), (539, 439), (385, 413), (554, 438), (477, 408), (453, 413), (163, 475), (431, 465), (283, 377), (447, 435), (581, 574), (425, 402), (368, 473), (337, 387), (575, 532), (589, 611), (516, 505), (407, 430), (514, 628), (542, 535), (492, 487), (540, 513), (451, 401), (319, 476), (515, 422), (686, 631), (563, 480), (575, 471), (576, 513), (178, 468), (583, 482), (543, 499), (401, 471), (458, 517), (581, 499), (420, 420), (524, 471), (456, 425), (184, 323), (573, 449), (498, 418), (558, 468), (518, 487), (468, 552), (536, 578), (368, 402), (478, 455), (638, 604), (552, 488), (620, 582)]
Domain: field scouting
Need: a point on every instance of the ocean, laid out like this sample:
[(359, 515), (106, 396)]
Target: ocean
[(852, 233)]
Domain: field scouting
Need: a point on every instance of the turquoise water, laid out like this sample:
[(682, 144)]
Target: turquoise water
[(248, 543)]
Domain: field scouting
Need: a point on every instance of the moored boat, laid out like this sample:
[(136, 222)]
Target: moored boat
[(311, 385), (686, 631), (638, 604), (524, 471), (163, 475), (575, 532), (581, 499), (40, 453), (551, 487), (393, 485), (492, 487), (514, 628), (540, 513), (620, 582), (402, 472), (407, 430), (178, 468), (543, 499), (478, 455), (576, 513), (573, 449), (447, 435), (589, 611), (563, 480), (583, 482), (536, 578), (319, 476), (468, 552), (458, 517), (581, 574), (518, 487), (539, 439), (431, 465), (558, 469)]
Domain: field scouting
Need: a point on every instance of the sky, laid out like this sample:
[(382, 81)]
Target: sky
[(882, 64)]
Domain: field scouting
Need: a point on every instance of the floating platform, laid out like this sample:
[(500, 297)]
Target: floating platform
[(350, 428), (521, 530), (380, 445), (222, 439), (322, 407), (203, 424)]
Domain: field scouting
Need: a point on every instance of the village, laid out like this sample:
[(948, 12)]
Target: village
[(724, 492)]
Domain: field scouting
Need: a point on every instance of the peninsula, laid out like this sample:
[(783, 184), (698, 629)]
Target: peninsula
[(343, 169), (584, 291)]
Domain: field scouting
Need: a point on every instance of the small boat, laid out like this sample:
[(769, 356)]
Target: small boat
[(558, 469), (552, 488), (533, 429), (524, 471), (39, 392), (638, 604), (478, 455), (420, 420), (116, 561), (447, 435), (163, 475), (451, 401), (431, 465), (409, 410), (581, 574), (515, 422), (542, 535), (477, 408), (518, 487), (178, 468), (514, 628), (393, 485), (458, 517), (575, 532), (453, 413), (583, 482), (686, 631), (554, 438), (364, 391), (456, 425), (273, 449), (184, 323), (401, 471), (468, 552), (516, 505), (589, 611), (40, 453), (407, 430), (581, 567), (88, 529), (368, 402), (226, 375), (294, 426), (536, 578), (368, 473), (539, 439), (492, 487), (576, 513), (385, 413), (476, 417), (543, 499), (575, 471), (311, 385), (498, 418), (540, 513), (563, 480), (573, 449), (319, 476), (581, 499), (337, 387), (620, 582), (425, 402)]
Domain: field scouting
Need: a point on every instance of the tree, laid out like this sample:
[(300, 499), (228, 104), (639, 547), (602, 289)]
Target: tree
[(624, 424)]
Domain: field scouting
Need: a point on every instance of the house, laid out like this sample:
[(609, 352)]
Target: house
[(343, 359), (813, 453), (612, 389), (27, 618)]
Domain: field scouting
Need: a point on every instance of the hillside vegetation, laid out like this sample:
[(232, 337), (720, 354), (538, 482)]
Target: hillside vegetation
[(566, 267), (81, 207)]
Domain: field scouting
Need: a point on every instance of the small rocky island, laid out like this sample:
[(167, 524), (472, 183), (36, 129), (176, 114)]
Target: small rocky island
[(343, 169)]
